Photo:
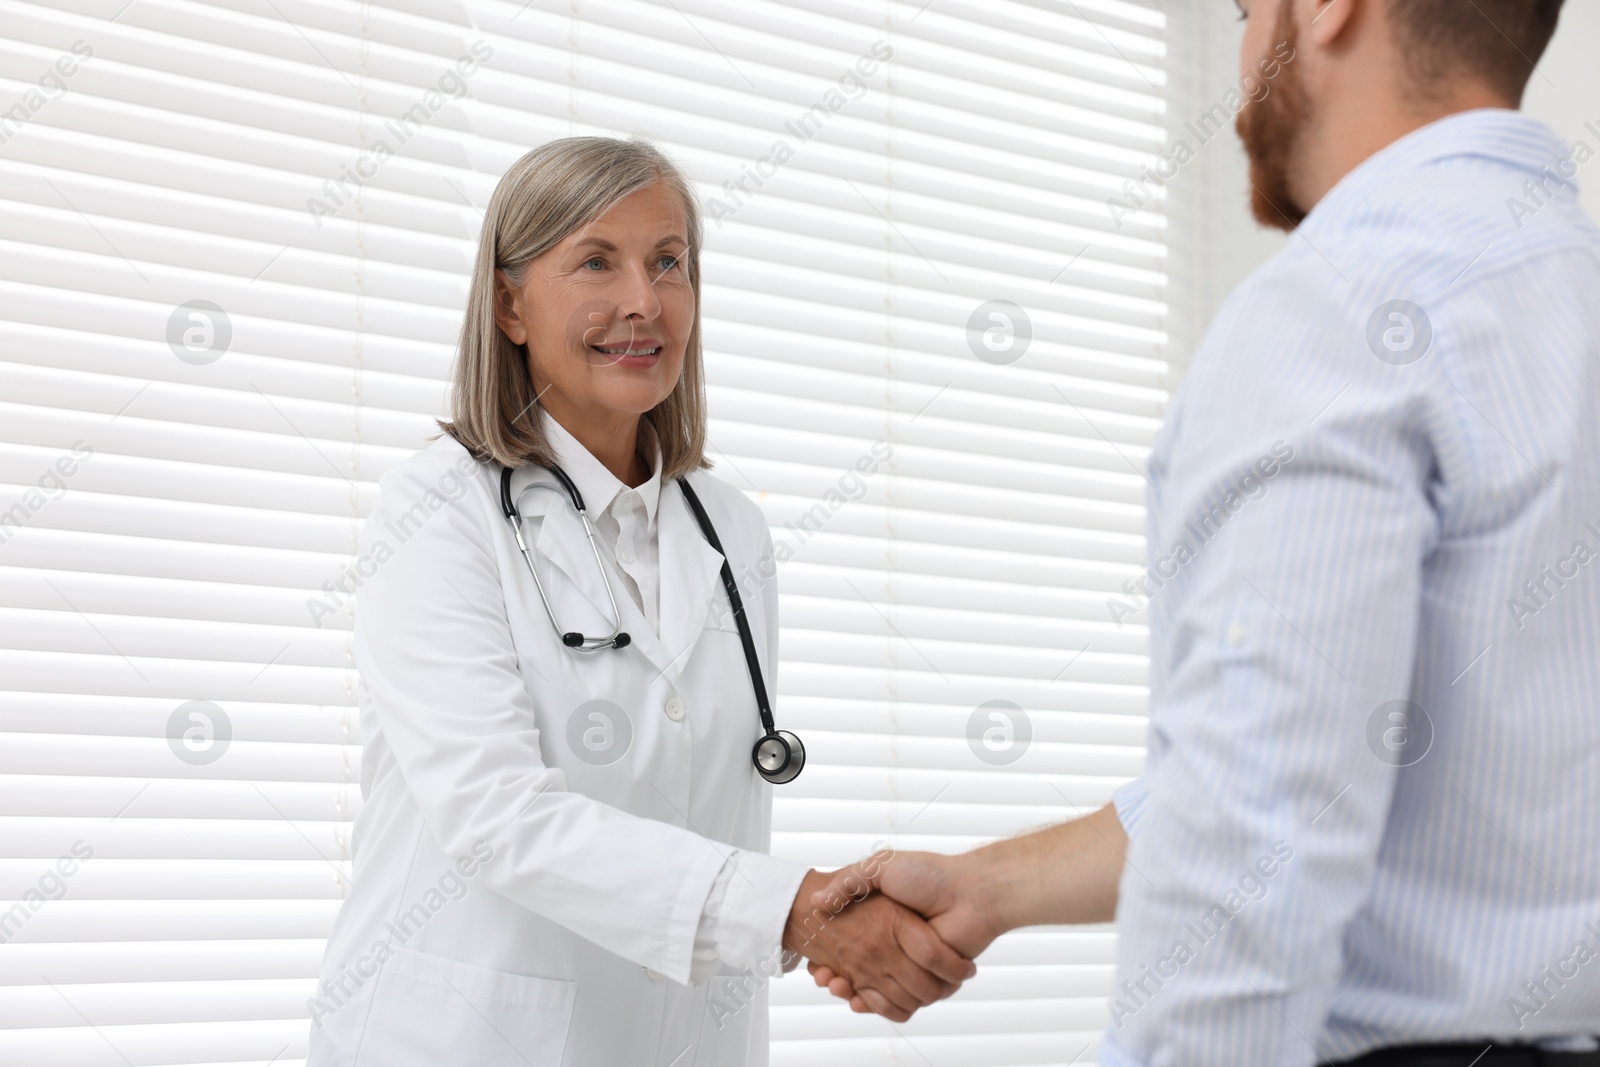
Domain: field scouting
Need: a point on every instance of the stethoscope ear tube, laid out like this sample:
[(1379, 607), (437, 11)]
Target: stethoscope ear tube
[(572, 639)]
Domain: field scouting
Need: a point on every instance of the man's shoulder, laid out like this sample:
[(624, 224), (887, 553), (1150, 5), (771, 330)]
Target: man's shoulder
[(1449, 224), (1334, 287)]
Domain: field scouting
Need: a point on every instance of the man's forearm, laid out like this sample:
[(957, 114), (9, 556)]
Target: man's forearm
[(1063, 874)]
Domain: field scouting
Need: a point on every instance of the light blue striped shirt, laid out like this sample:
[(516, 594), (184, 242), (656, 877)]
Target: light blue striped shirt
[(1371, 812)]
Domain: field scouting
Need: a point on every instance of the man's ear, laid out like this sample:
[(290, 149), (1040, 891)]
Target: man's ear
[(1324, 21), (506, 315)]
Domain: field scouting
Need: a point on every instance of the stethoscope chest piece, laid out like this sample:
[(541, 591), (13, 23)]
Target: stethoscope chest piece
[(779, 757)]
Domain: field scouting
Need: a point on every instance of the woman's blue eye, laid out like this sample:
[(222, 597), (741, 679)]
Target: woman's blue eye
[(595, 260), (667, 262)]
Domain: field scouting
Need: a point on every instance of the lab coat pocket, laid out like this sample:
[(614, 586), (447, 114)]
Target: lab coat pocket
[(434, 1011), (734, 1007)]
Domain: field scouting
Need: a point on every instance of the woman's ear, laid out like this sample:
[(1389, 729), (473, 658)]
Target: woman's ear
[(508, 309)]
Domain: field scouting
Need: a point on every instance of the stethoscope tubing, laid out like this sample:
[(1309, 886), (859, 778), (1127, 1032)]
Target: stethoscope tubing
[(779, 748), (736, 602), (573, 640)]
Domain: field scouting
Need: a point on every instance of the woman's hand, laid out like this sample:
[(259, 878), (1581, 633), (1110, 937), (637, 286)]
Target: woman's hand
[(893, 960), (936, 886)]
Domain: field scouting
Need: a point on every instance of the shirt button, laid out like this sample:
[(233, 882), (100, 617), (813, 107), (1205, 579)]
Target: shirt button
[(675, 709), (624, 553), (1236, 634)]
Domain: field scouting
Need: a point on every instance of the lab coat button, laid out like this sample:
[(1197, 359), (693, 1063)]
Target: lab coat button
[(675, 709), (653, 975)]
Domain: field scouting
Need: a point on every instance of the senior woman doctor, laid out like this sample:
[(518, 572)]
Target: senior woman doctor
[(561, 857)]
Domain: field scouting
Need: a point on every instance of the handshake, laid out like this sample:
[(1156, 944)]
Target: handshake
[(899, 930)]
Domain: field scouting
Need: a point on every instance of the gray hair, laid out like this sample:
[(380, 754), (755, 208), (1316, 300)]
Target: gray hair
[(545, 196)]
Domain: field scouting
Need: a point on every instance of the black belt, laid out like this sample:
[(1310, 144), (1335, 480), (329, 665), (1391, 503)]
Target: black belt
[(1471, 1054)]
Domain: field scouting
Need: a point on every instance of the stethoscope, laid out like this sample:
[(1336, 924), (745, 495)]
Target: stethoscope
[(778, 755)]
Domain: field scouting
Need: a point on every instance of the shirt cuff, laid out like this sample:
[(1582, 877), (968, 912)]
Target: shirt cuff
[(757, 894), (1112, 1054), (1129, 801), (704, 960)]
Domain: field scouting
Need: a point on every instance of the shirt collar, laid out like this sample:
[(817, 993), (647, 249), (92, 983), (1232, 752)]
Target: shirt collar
[(1495, 133), (598, 486)]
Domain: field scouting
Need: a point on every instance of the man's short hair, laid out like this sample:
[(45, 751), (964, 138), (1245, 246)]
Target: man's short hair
[(1496, 40)]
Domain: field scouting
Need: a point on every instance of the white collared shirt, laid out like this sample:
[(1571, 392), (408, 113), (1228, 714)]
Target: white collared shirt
[(624, 517)]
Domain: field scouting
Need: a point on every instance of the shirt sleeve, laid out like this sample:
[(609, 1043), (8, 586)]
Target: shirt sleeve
[(1128, 802), (1287, 627), (705, 934), (742, 925)]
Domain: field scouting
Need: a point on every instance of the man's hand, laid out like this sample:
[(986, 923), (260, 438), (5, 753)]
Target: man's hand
[(893, 960)]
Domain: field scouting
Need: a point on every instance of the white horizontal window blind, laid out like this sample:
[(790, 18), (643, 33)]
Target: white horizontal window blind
[(235, 239)]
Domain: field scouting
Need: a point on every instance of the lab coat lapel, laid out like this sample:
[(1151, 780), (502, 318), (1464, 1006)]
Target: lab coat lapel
[(555, 534), (690, 579)]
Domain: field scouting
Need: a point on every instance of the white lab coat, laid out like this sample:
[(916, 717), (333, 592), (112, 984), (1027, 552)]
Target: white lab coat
[(518, 901)]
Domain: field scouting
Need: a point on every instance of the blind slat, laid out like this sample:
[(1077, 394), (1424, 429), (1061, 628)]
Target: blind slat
[(845, 299)]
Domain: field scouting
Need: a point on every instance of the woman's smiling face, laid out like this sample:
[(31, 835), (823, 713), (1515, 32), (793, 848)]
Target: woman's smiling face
[(606, 314)]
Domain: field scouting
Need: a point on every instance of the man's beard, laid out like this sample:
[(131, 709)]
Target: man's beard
[(1270, 128)]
